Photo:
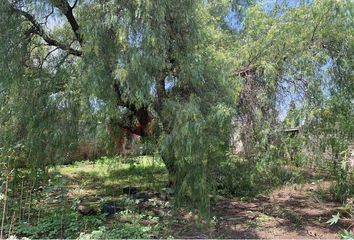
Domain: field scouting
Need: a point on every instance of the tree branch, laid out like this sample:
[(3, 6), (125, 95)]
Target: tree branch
[(318, 25), (75, 3), (46, 17), (67, 10), (160, 88), (47, 55), (38, 29)]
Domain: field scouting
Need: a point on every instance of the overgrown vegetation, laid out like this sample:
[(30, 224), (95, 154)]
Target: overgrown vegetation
[(51, 210), (185, 99)]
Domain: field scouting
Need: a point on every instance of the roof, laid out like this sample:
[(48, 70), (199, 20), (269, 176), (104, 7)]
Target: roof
[(291, 130)]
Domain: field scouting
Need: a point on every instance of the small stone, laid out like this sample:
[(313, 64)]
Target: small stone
[(164, 196), (85, 210), (144, 195), (110, 208), (124, 219), (130, 190)]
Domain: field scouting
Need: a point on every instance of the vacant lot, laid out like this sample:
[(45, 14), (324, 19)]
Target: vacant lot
[(294, 210)]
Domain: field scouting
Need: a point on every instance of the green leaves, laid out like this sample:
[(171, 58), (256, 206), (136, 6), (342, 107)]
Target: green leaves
[(334, 219), (347, 235), (176, 60)]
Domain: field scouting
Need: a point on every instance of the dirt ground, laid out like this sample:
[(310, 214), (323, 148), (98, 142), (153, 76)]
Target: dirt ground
[(296, 211), (292, 212)]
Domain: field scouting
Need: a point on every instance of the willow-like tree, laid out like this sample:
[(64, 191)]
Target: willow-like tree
[(178, 62), (294, 50), (128, 61)]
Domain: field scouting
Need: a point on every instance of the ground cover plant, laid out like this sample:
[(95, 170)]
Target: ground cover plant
[(176, 118)]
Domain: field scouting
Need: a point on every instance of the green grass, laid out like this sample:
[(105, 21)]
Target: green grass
[(53, 211), (108, 176)]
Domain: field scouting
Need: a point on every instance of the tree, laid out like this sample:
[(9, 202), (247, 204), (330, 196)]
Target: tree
[(173, 71), (142, 60), (288, 52)]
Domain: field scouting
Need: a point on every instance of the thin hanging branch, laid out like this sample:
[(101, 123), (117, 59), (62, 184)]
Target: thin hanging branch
[(38, 29), (67, 10), (76, 1)]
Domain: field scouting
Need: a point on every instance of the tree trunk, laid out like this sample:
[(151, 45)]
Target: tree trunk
[(171, 166)]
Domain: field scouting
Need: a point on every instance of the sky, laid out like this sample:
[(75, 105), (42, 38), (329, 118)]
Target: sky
[(235, 23)]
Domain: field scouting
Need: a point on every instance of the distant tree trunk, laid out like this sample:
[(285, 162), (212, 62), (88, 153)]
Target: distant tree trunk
[(253, 113), (171, 166)]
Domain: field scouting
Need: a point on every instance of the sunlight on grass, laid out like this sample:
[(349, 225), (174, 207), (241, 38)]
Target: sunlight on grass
[(108, 176)]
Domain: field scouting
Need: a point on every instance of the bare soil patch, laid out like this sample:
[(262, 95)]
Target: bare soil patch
[(291, 212)]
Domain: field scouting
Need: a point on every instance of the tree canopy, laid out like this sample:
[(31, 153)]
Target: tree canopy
[(185, 69)]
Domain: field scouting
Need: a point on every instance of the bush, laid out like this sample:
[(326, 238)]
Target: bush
[(239, 177)]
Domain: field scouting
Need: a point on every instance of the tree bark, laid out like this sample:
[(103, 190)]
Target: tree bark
[(171, 166)]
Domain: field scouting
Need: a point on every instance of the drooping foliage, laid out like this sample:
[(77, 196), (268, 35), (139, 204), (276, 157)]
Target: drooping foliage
[(288, 53), (298, 56), (125, 63), (177, 73)]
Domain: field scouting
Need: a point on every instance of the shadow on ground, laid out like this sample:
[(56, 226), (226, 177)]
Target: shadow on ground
[(290, 212)]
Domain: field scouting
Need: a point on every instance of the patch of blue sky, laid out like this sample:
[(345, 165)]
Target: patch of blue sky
[(284, 99), (234, 20), (96, 104), (135, 37), (324, 70), (296, 94), (170, 82), (268, 5)]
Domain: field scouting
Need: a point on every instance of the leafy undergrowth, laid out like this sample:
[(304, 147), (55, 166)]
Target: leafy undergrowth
[(238, 177), (282, 202), (107, 177), (92, 183)]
